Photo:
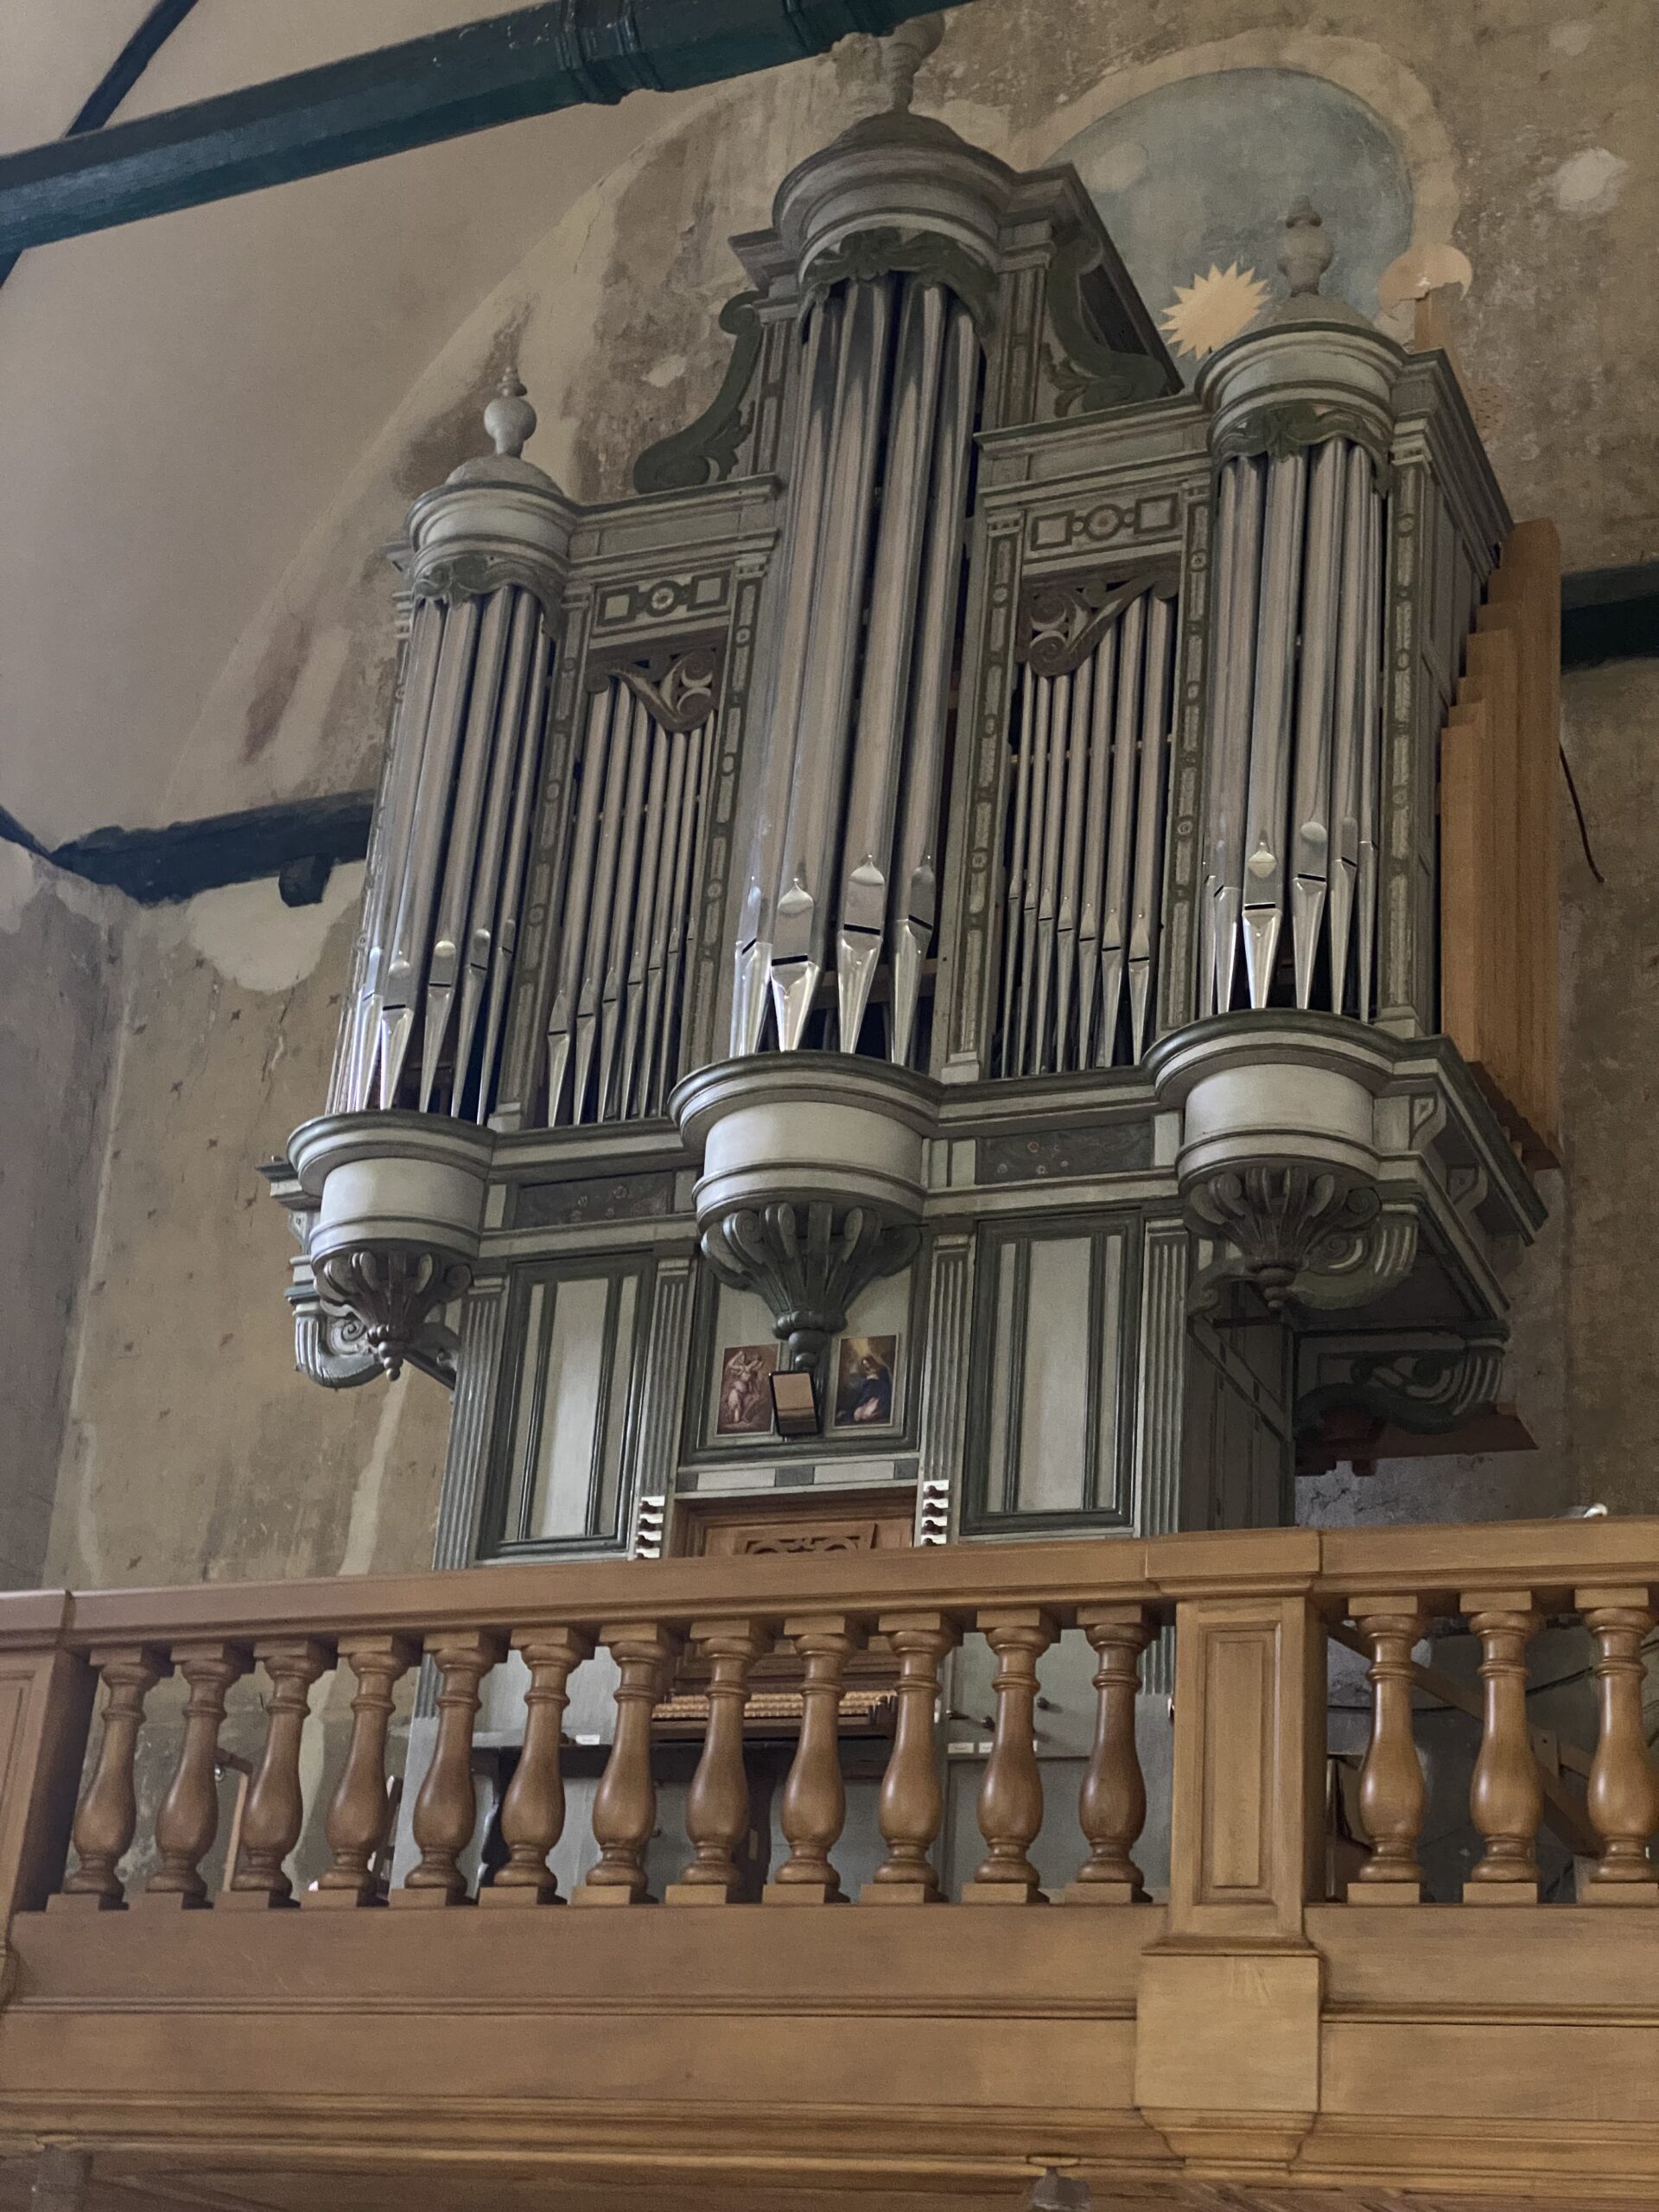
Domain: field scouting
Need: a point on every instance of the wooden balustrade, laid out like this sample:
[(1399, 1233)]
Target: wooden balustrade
[(1112, 1810), (275, 1814), (187, 1822), (1250, 1614), (815, 1796), (357, 1814), (1393, 1797), (912, 1800), (532, 1811), (108, 1815)]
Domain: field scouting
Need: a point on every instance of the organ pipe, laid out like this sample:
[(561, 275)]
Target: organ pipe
[(1295, 743), (843, 862), (446, 866), (613, 1042), (1084, 866)]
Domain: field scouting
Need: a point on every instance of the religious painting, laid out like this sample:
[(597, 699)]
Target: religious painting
[(864, 1385), (745, 1404)]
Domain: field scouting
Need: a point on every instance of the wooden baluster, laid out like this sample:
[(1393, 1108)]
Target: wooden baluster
[(108, 1813), (357, 1812), (1623, 1798), (1011, 1792), (275, 1814), (532, 1811), (1112, 1808), (717, 1805), (188, 1819), (1393, 1798), (815, 1796), (446, 1810), (913, 1800), (1505, 1798), (625, 1804)]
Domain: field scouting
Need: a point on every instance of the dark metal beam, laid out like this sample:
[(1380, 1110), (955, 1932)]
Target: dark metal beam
[(298, 841), (118, 80), (560, 55)]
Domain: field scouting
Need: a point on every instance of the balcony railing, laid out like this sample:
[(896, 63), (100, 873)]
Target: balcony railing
[(1249, 2025)]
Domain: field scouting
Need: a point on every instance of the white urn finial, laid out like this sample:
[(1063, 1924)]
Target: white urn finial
[(510, 419)]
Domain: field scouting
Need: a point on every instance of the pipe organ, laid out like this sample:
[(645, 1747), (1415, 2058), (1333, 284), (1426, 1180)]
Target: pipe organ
[(904, 960)]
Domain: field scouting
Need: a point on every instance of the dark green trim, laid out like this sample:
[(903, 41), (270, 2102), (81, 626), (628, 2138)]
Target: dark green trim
[(299, 843), (118, 80), (563, 54)]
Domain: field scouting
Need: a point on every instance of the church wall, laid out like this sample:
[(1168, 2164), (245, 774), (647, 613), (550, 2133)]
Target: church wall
[(193, 1449), (57, 1000), (191, 1444)]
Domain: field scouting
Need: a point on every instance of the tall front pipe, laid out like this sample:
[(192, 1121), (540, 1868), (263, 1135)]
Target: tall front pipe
[(823, 727)]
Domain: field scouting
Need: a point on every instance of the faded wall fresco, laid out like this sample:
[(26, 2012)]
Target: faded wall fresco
[(1194, 182)]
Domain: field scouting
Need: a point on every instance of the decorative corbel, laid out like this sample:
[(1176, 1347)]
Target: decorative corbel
[(808, 1263), (1429, 1381)]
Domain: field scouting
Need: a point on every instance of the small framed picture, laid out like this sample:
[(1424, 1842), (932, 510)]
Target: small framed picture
[(745, 1404), (864, 1381)]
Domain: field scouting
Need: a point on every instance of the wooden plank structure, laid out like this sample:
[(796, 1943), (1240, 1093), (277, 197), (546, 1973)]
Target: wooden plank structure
[(1246, 2030), (1499, 857)]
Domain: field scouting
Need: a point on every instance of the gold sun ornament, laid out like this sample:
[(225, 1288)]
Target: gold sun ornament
[(1212, 309)]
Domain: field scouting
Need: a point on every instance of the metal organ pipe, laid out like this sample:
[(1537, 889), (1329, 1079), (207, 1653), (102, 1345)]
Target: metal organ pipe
[(1271, 719), (877, 737), (1238, 537), (915, 901), (1085, 856), (446, 866), (393, 813), (1294, 692), (844, 861), (614, 1043), (809, 489), (801, 909)]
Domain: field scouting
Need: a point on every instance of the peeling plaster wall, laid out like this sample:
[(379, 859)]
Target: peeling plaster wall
[(57, 1000), (192, 1446)]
